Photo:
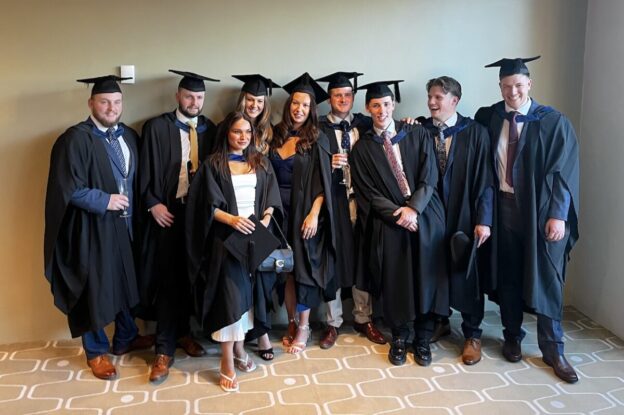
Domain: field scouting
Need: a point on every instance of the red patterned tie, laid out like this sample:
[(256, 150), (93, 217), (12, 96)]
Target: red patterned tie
[(398, 172), (512, 146)]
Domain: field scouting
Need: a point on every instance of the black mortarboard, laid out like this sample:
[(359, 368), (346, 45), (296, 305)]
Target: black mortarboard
[(341, 80), (256, 84), (306, 84), (463, 251), (192, 81), (381, 89), (103, 84), (252, 249), (512, 66)]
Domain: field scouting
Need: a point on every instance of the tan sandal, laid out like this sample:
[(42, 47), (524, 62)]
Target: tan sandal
[(298, 347)]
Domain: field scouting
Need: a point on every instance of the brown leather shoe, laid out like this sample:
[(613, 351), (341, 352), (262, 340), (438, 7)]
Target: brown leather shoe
[(370, 331), (160, 368), (191, 347), (329, 337), (102, 367), (139, 342), (472, 351)]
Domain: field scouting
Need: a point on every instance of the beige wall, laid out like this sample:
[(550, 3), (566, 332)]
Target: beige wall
[(596, 282), (46, 45)]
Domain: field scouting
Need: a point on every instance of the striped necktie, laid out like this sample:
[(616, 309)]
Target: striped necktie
[(114, 142)]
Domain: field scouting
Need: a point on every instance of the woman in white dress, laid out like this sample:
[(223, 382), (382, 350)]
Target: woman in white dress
[(235, 182)]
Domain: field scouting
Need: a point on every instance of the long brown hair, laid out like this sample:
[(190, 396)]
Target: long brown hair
[(262, 123), (219, 159), (308, 133)]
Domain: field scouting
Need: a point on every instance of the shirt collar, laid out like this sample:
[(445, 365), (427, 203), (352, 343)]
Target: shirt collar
[(524, 109), (100, 126), (183, 119), (450, 122), (334, 119), (391, 129)]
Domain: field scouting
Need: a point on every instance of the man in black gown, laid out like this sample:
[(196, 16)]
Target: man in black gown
[(89, 228), (174, 144), (395, 179), (465, 187), (343, 129), (537, 178)]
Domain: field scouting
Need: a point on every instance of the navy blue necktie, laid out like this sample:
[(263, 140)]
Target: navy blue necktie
[(345, 143), (114, 142)]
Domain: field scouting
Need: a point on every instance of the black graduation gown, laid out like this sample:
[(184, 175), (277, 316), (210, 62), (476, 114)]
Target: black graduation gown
[(345, 232), (466, 189), (223, 290), (161, 155), (547, 156), (88, 257), (314, 269), (409, 269)]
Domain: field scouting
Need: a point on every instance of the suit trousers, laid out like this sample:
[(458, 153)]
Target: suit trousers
[(95, 343), (510, 282)]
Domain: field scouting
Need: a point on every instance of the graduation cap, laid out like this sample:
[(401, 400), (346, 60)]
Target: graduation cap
[(512, 66), (256, 84), (341, 80), (192, 81), (251, 249), (381, 89), (103, 84), (306, 84)]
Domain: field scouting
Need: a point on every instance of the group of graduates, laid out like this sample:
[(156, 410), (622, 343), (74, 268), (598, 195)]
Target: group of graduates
[(419, 215)]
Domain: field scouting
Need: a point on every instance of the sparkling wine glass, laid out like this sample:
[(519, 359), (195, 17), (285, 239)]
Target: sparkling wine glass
[(346, 172), (123, 186)]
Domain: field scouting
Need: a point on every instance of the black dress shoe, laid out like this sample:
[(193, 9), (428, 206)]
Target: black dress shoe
[(562, 368), (512, 350), (442, 328), (422, 353), (398, 352)]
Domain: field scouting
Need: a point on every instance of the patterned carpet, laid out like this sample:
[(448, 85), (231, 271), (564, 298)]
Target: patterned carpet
[(354, 377)]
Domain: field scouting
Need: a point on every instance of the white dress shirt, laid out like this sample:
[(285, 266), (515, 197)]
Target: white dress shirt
[(501, 150), (185, 143)]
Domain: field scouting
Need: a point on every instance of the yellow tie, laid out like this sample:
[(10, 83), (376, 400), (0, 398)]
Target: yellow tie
[(194, 156)]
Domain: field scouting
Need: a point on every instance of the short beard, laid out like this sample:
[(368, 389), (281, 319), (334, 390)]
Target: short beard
[(106, 123), (188, 114)]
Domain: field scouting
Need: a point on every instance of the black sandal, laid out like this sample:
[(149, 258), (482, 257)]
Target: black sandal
[(266, 354)]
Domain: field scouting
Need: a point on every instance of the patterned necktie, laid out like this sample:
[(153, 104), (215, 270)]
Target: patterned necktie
[(397, 171), (512, 146), (441, 148), (114, 142), (194, 153), (345, 143)]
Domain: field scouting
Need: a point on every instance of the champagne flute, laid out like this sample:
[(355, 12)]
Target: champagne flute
[(346, 172), (123, 186)]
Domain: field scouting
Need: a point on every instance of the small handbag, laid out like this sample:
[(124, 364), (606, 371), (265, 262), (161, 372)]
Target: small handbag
[(281, 259)]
